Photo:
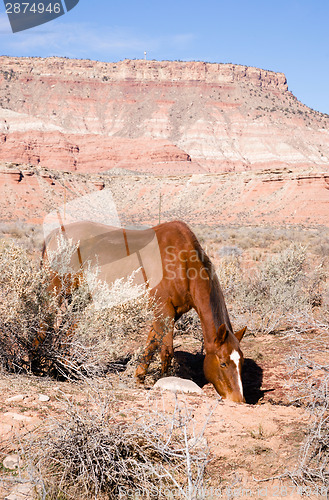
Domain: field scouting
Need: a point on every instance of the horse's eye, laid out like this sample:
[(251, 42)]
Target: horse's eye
[(223, 365)]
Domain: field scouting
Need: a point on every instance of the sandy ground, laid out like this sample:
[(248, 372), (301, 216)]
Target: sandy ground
[(248, 443)]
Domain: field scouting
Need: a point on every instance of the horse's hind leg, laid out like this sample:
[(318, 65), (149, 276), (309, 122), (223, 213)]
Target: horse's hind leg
[(166, 346), (161, 335), (152, 345)]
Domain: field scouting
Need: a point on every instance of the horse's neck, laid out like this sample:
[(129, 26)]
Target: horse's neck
[(213, 313), (210, 329)]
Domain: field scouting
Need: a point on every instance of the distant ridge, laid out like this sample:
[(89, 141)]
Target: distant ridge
[(155, 116)]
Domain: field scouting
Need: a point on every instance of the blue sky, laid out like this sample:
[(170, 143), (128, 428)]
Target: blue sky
[(290, 36)]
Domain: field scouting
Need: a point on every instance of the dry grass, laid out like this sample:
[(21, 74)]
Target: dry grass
[(94, 452)]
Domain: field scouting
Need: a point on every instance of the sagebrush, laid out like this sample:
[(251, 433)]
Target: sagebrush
[(46, 332), (96, 453), (280, 286)]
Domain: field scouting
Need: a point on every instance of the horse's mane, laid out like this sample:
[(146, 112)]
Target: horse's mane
[(217, 302)]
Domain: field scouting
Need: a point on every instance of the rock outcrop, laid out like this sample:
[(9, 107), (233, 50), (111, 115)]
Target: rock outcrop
[(94, 153), (63, 113), (65, 124), (276, 197), (142, 71)]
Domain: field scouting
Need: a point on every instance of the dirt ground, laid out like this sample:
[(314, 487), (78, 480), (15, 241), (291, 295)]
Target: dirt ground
[(248, 443)]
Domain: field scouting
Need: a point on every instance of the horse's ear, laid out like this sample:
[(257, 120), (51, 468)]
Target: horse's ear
[(221, 334), (240, 333)]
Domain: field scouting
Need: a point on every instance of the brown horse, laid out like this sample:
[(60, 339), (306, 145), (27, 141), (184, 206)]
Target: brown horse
[(181, 277)]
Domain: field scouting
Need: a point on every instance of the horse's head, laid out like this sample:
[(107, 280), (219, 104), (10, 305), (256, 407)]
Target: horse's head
[(223, 364)]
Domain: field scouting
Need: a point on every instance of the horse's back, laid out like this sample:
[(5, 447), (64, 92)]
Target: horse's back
[(110, 243)]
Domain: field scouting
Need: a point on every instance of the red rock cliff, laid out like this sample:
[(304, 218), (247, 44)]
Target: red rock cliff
[(223, 117)]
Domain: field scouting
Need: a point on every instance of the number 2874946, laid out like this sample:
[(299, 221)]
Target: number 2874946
[(33, 8)]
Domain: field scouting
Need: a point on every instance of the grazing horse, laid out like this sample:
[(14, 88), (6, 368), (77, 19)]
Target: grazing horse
[(184, 280)]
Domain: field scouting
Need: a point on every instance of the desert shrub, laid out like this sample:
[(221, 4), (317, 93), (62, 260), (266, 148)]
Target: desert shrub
[(322, 247), (309, 368), (279, 286), (273, 239), (48, 333), (189, 324), (15, 229), (230, 276), (96, 453), (279, 283), (103, 336), (325, 304), (227, 251), (29, 236), (23, 307)]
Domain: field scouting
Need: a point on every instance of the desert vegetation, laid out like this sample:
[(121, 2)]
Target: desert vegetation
[(45, 332), (278, 285), (91, 451), (100, 453), (273, 281)]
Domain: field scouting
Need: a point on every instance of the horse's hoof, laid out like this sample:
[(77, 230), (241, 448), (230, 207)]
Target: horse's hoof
[(140, 375)]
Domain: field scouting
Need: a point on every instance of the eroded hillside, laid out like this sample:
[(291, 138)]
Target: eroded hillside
[(275, 197), (72, 114)]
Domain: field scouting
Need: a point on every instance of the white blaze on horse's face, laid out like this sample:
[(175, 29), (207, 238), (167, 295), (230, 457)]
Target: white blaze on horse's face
[(235, 357), (223, 363)]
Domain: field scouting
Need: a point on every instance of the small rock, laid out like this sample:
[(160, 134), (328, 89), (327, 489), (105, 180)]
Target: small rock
[(176, 384), (17, 416), (198, 442), (11, 462), (23, 491), (4, 430), (43, 397), (19, 397)]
